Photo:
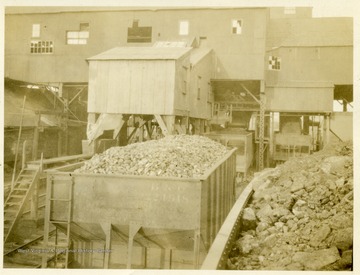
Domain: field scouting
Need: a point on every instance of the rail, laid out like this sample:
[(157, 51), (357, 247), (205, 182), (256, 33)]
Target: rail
[(219, 250)]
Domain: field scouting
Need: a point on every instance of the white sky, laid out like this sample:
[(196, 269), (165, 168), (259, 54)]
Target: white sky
[(321, 7)]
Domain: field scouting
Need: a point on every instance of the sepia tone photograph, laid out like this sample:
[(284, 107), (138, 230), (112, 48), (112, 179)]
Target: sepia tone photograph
[(179, 137)]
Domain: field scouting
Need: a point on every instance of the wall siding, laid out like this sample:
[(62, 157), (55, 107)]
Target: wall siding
[(313, 64), (109, 29), (132, 87), (299, 99)]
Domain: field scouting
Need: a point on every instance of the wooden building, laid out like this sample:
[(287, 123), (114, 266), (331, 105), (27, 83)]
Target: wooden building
[(260, 58), (163, 81), (309, 66), (42, 50)]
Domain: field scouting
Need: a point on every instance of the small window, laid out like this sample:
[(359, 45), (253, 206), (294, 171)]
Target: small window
[(42, 47), (198, 87), (274, 63), (84, 26), (184, 27), (290, 10), (184, 79), (79, 37), (35, 30), (236, 26), (138, 34)]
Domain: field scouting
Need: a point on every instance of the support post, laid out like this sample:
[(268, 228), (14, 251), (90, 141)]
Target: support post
[(133, 229), (344, 104), (23, 156), (327, 129), (196, 248), (170, 124), (261, 126), (166, 257), (36, 139), (17, 144), (34, 202), (107, 228)]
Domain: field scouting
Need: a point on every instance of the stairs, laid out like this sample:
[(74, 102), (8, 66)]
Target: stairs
[(14, 204)]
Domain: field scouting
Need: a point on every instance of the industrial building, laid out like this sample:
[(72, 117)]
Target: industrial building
[(82, 80)]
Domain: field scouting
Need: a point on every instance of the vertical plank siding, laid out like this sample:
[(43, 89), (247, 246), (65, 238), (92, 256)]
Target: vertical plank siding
[(132, 86)]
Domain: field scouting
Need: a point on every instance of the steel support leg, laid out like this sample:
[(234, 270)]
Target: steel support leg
[(196, 248), (107, 230), (133, 229)]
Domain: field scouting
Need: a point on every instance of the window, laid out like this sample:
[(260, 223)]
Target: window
[(79, 37), (138, 34), (290, 10), (184, 79), (43, 47), (236, 26), (198, 87), (274, 63), (184, 27), (35, 30)]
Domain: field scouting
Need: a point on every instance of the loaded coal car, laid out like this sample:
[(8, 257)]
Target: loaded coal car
[(156, 204)]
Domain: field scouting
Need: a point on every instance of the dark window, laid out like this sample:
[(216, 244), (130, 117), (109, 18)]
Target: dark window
[(236, 26), (138, 34), (198, 87), (42, 47), (184, 80), (274, 63)]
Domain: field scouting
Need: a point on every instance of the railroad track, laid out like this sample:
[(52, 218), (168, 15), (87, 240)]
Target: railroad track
[(29, 254)]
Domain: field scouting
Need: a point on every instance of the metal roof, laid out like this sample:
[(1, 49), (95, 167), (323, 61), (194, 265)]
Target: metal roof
[(142, 53), (307, 32)]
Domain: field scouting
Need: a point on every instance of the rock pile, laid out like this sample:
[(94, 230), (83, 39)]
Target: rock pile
[(182, 156), (300, 216)]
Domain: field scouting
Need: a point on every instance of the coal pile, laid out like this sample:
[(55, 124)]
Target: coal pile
[(300, 216), (181, 156)]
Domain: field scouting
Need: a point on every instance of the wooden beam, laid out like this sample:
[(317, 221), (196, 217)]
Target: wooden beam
[(162, 124), (248, 91)]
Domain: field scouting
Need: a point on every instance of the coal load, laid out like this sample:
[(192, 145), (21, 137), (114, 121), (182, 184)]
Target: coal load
[(181, 156), (300, 216)]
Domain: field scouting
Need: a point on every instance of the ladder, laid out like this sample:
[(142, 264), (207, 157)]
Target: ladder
[(61, 245), (19, 195)]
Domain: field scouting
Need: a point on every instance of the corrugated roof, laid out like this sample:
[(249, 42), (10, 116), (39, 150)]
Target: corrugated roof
[(310, 32), (142, 53), (35, 102)]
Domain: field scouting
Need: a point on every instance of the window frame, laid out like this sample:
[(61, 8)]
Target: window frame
[(241, 26), (81, 29), (187, 27), (33, 31), (184, 79), (41, 47), (198, 87), (278, 59)]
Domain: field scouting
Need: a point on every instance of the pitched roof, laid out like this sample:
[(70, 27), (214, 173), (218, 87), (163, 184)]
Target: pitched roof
[(310, 32), (142, 53), (198, 54)]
